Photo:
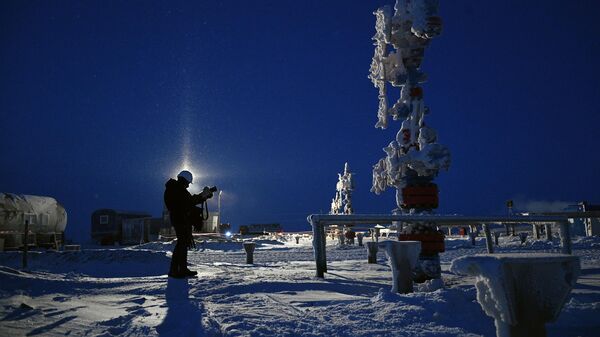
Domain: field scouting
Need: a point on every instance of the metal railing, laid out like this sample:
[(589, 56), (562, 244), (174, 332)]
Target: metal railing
[(319, 221)]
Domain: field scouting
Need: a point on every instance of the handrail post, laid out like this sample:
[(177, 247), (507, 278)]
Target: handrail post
[(496, 236), (548, 229), (25, 244), (565, 238), (488, 239), (249, 248), (323, 247), (536, 231), (319, 246)]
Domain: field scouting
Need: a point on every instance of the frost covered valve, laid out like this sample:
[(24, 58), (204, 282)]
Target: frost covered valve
[(403, 256), (372, 252), (522, 292)]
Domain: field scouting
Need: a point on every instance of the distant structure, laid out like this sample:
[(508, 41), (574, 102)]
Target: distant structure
[(414, 158), (111, 226), (46, 221), (258, 229), (342, 203), (210, 225)]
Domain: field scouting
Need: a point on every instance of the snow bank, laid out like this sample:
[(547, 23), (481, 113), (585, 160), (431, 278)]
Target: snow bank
[(124, 291), (96, 263)]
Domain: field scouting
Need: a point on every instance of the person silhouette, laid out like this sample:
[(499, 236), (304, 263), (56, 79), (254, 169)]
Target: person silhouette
[(181, 205)]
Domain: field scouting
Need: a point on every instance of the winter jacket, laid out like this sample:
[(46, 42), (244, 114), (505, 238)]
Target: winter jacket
[(180, 202)]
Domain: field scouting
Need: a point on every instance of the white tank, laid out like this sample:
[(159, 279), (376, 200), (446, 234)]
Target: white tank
[(45, 214)]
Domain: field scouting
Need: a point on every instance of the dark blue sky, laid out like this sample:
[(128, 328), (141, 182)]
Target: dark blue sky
[(101, 102)]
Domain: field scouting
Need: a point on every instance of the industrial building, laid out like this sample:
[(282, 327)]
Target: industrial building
[(210, 225), (261, 228)]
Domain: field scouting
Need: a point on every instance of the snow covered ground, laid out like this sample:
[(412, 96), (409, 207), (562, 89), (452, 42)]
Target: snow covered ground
[(125, 292)]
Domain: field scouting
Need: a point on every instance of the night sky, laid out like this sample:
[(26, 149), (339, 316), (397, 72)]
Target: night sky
[(102, 101)]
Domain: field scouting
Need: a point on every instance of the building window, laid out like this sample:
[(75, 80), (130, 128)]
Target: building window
[(104, 219)]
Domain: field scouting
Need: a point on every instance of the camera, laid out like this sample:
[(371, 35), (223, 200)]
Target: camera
[(211, 189)]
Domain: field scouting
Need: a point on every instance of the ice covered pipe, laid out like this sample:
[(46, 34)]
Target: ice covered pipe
[(44, 214), (403, 256), (249, 248), (372, 252), (522, 292), (359, 236)]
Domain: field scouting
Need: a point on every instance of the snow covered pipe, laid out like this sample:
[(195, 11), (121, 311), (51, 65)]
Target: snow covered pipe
[(319, 221), (565, 238), (319, 242), (522, 292), (372, 252), (473, 235), (440, 219), (536, 231), (403, 257), (25, 243), (496, 236), (488, 239), (249, 248), (341, 239)]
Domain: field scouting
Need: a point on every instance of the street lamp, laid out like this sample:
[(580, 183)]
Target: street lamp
[(219, 209)]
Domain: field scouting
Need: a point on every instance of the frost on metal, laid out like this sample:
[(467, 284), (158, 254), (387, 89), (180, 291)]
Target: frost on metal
[(400, 41), (342, 203), (524, 290), (403, 256)]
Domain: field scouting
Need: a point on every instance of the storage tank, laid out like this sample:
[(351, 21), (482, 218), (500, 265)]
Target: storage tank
[(47, 219)]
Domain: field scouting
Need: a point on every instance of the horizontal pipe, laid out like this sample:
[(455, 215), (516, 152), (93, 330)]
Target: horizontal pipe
[(446, 220), (319, 221), (569, 215)]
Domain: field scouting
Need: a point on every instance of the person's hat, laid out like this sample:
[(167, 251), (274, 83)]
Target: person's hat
[(187, 175)]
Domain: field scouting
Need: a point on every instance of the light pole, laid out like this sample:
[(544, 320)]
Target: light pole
[(219, 210)]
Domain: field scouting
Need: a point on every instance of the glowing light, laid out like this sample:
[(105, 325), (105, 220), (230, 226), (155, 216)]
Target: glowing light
[(198, 173), (228, 234), (187, 161)]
